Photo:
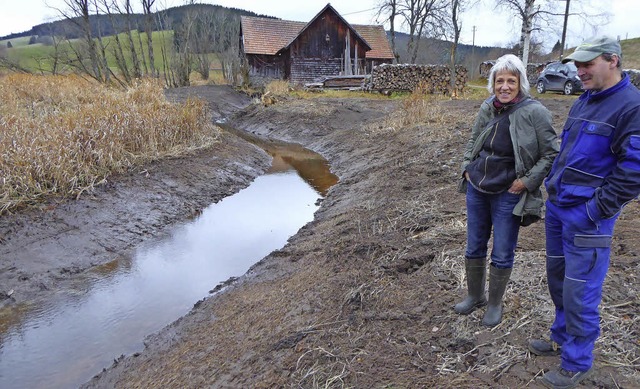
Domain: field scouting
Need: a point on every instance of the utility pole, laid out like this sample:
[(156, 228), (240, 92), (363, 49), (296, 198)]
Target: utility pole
[(473, 53), (564, 28)]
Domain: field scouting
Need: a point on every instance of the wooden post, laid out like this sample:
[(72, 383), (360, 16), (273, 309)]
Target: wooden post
[(355, 62), (347, 54)]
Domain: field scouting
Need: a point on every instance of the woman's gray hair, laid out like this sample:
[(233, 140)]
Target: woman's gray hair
[(512, 64)]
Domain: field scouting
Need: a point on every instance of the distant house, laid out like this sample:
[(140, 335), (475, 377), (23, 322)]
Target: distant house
[(306, 52)]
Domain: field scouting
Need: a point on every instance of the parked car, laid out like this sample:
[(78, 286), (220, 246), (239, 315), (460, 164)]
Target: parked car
[(559, 77)]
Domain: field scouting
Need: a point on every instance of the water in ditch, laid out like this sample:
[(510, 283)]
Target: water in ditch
[(64, 343)]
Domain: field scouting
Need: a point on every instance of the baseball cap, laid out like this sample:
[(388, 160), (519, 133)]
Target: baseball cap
[(593, 48)]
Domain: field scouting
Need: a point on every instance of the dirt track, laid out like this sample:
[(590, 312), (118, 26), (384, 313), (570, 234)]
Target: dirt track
[(362, 296)]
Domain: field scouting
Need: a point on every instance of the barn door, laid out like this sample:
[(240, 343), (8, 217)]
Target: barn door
[(347, 54)]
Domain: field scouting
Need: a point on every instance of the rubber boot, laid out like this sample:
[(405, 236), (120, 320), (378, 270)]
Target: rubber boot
[(476, 270), (498, 279)]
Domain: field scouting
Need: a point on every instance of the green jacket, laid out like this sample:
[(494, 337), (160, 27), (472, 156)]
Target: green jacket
[(535, 146)]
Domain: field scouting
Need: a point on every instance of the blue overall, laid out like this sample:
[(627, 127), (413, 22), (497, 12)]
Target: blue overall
[(595, 174), (577, 263)]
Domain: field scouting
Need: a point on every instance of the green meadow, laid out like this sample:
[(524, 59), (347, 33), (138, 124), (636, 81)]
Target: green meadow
[(37, 57)]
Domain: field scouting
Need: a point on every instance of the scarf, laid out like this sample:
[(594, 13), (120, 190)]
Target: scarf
[(501, 107)]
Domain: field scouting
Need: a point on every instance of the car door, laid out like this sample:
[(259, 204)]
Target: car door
[(554, 77), (564, 74)]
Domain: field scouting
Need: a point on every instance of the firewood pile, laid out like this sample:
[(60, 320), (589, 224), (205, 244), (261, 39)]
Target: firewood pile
[(533, 70), (406, 77), (485, 68)]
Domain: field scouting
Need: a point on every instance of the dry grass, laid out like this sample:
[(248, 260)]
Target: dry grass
[(275, 91), (527, 302), (425, 112), (64, 135), (278, 88), (529, 311), (528, 308)]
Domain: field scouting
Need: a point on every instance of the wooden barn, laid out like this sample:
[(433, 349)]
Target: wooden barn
[(307, 52)]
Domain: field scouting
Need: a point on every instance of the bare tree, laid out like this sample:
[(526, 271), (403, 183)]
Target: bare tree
[(205, 32), (147, 9), (135, 62), (539, 15), (422, 18), (225, 44), (112, 9), (181, 59), (419, 17), (85, 57), (456, 27), (52, 62), (101, 45), (526, 11), (387, 11), (206, 38)]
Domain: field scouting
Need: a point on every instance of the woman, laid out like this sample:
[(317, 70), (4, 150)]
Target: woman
[(511, 150)]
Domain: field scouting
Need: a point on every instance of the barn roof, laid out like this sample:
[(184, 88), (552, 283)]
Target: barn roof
[(268, 36), (376, 36), (330, 8)]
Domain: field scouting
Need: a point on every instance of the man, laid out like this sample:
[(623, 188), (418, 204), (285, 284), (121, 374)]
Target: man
[(596, 173)]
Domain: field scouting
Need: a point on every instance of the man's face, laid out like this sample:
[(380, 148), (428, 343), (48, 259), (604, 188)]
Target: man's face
[(598, 74)]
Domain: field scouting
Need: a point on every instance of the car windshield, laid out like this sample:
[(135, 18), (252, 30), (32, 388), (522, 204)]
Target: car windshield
[(572, 66)]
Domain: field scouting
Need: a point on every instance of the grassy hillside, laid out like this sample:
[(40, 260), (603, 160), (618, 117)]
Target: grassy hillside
[(38, 57), (103, 25), (631, 53)]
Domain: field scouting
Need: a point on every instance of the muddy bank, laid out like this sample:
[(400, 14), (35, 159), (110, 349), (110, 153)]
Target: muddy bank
[(42, 249)]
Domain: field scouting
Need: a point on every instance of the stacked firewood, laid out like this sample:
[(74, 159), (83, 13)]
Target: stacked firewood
[(485, 68), (533, 70), (407, 77)]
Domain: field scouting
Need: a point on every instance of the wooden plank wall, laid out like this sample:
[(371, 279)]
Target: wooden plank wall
[(305, 70)]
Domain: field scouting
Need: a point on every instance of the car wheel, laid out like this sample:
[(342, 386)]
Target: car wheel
[(540, 87), (568, 88)]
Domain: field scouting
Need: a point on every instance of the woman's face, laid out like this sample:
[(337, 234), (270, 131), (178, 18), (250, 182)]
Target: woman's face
[(506, 86)]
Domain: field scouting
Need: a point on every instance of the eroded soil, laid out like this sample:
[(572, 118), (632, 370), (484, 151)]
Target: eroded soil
[(360, 297)]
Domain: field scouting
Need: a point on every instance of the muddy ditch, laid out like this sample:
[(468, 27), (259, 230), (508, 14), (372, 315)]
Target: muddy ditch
[(362, 295)]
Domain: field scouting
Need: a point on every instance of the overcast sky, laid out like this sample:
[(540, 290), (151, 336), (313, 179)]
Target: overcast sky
[(492, 28)]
